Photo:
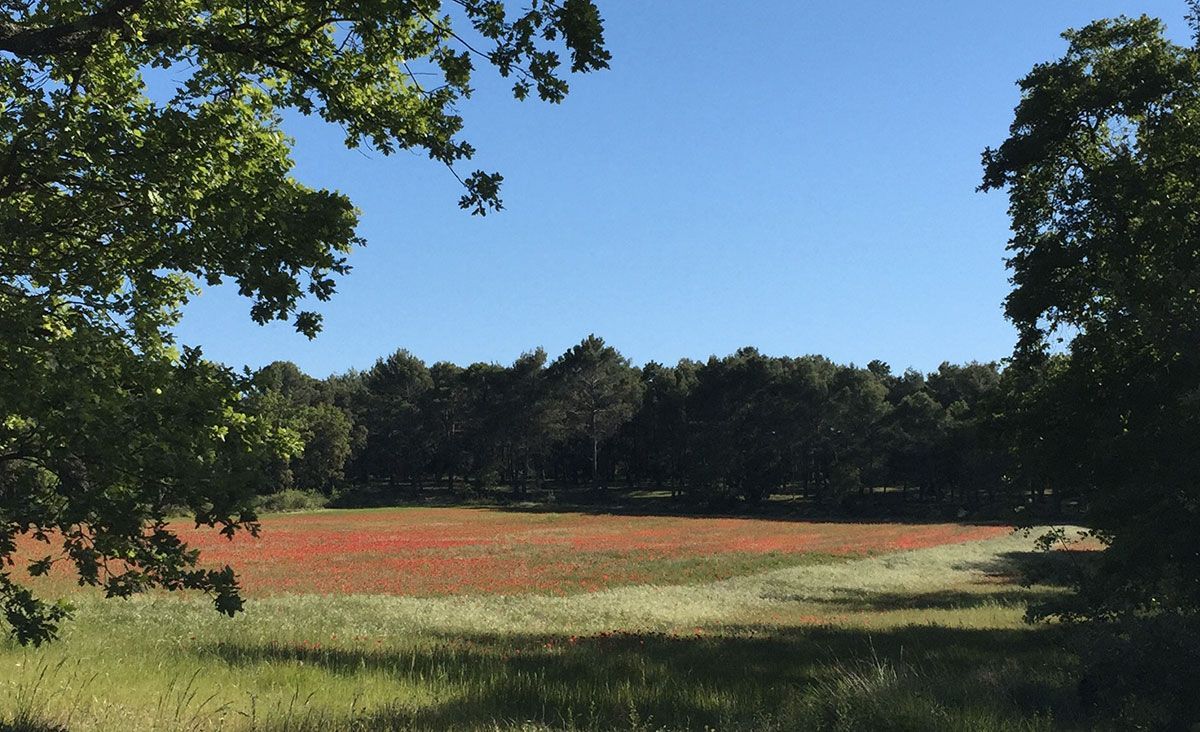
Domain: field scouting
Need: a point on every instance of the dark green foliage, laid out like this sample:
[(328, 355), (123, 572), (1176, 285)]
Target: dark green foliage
[(446, 419), (327, 433), (733, 429), (101, 446), (317, 436), (116, 208), (656, 438), (1100, 169), (525, 410), (1143, 671), (484, 424), (1101, 172), (291, 500), (397, 445), (741, 427), (594, 391)]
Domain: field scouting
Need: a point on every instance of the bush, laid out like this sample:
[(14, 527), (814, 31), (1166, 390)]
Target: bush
[(1144, 672), (291, 500)]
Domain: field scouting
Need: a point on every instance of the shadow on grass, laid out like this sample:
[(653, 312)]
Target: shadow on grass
[(859, 601), (1010, 578), (1059, 568), (1049, 572), (750, 676)]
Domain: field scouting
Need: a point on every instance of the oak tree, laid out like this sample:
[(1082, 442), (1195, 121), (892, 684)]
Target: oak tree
[(116, 206), (1101, 172)]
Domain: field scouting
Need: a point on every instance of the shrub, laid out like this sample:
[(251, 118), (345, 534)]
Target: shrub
[(1143, 672), (291, 500)]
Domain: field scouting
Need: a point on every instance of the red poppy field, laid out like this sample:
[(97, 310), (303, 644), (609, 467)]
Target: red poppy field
[(452, 551), (442, 551)]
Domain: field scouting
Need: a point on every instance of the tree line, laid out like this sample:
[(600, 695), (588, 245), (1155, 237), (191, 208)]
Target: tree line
[(737, 428)]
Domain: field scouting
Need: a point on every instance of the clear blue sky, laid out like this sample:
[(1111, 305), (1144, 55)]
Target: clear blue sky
[(798, 176)]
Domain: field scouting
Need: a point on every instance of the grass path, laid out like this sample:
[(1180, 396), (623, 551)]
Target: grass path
[(935, 634)]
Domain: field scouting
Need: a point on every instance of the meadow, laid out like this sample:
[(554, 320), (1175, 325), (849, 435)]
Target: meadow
[(472, 618)]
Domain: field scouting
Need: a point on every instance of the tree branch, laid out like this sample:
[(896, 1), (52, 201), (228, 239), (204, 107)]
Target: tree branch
[(77, 35)]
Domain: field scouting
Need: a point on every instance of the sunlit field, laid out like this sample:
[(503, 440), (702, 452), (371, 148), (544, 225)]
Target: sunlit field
[(484, 619), (439, 551)]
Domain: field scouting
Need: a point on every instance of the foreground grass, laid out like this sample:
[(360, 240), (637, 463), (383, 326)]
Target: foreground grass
[(926, 639)]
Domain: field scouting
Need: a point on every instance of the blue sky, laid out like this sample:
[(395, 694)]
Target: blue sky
[(794, 175)]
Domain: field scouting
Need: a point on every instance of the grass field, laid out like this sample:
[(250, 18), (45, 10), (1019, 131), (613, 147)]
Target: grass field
[(485, 619)]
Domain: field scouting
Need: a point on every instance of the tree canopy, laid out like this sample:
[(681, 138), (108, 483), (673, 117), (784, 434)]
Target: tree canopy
[(1100, 169), (732, 429), (117, 205), (596, 392)]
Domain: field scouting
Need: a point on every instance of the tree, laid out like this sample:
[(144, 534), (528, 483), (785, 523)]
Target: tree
[(975, 398), (969, 383), (484, 428), (327, 435), (286, 379), (743, 423), (596, 391), (300, 411), (1101, 172), (856, 409), (1100, 169), (918, 428), (445, 416), (526, 416), (657, 433), (275, 395), (398, 445), (115, 207), (805, 387)]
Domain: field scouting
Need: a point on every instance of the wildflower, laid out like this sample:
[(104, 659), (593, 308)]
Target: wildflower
[(454, 551)]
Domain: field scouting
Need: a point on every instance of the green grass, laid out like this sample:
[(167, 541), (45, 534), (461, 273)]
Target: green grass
[(928, 639)]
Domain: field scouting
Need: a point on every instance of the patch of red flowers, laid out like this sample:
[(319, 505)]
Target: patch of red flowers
[(451, 551), (442, 551)]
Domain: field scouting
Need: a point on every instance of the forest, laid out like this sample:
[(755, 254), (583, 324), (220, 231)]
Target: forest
[(715, 434)]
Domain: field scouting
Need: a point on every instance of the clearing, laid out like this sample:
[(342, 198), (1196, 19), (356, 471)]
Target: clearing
[(468, 618)]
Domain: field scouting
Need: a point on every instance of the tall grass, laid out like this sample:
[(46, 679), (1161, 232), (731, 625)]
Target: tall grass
[(929, 639)]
